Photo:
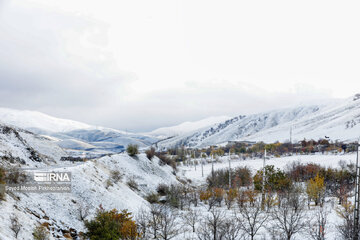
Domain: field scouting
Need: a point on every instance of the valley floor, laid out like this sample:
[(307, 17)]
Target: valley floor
[(326, 160), (91, 187)]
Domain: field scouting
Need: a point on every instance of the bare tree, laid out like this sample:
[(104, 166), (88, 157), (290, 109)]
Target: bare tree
[(231, 229), (211, 225), (194, 197), (317, 226), (191, 218), (346, 228), (212, 202), (142, 220), (15, 226), (168, 223), (83, 211), (251, 218), (161, 222), (154, 220), (290, 216)]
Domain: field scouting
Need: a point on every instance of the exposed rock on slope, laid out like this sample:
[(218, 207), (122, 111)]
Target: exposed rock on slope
[(19, 146)]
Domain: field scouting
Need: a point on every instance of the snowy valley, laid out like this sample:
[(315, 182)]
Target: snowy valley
[(176, 177)]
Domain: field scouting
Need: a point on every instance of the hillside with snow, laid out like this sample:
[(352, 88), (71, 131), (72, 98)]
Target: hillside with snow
[(75, 137), (186, 127), (21, 147), (90, 188), (92, 184), (338, 120), (37, 121)]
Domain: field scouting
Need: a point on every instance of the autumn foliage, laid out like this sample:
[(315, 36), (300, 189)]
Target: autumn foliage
[(112, 225), (316, 189)]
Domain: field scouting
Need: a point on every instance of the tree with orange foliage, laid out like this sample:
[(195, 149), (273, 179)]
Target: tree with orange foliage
[(230, 197), (212, 196), (218, 195), (246, 197), (205, 196), (251, 196), (112, 225)]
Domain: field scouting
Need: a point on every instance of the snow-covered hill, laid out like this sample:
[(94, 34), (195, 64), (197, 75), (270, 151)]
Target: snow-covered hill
[(35, 121), (76, 137), (336, 119), (186, 127), (92, 184), (90, 188), (19, 146)]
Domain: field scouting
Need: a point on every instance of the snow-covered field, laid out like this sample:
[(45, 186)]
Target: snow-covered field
[(328, 160)]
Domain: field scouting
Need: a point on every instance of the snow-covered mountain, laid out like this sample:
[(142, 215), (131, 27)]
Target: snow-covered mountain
[(92, 182), (186, 127), (92, 185), (76, 137), (33, 120), (18, 146), (336, 119)]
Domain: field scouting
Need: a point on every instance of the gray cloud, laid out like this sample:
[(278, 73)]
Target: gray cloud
[(65, 64), (38, 72)]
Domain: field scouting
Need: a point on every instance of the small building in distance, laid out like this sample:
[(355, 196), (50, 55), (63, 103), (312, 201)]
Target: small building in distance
[(238, 142)]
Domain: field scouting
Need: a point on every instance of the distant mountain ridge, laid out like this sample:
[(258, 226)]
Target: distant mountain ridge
[(75, 137), (33, 120), (186, 127), (338, 120)]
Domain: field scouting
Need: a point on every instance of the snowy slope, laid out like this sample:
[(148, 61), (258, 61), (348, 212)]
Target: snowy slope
[(240, 127), (186, 127), (89, 188), (89, 180), (73, 135), (337, 120), (19, 146), (31, 120)]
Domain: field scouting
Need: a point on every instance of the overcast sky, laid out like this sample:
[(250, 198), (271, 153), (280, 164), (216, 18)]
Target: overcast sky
[(139, 65)]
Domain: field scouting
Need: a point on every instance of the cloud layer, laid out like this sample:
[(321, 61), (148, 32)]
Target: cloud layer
[(139, 65)]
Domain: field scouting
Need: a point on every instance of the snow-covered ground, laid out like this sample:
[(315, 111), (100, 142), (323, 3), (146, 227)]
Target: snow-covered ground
[(89, 188), (90, 183), (328, 160)]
